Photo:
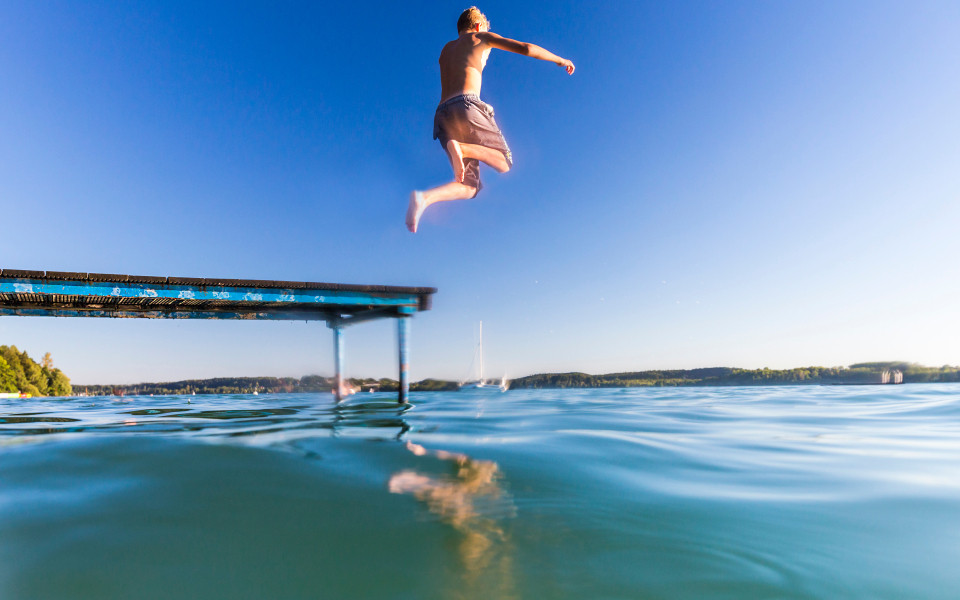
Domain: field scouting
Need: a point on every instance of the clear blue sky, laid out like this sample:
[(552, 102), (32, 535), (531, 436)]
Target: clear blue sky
[(720, 183)]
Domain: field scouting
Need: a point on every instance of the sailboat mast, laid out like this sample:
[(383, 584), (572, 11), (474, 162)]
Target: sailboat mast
[(481, 351)]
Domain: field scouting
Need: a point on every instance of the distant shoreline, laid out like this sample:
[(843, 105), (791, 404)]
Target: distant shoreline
[(858, 374)]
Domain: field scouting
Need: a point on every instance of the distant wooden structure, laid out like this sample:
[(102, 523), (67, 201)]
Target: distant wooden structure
[(62, 294)]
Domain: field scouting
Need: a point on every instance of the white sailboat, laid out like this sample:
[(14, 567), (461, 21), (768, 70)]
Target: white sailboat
[(480, 383)]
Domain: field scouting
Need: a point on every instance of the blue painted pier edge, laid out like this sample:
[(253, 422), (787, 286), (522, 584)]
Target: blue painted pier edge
[(68, 294)]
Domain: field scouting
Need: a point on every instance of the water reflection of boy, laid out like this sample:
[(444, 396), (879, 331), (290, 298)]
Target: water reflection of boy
[(484, 549)]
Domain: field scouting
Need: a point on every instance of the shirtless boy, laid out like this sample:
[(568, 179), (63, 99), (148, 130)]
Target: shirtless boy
[(463, 123)]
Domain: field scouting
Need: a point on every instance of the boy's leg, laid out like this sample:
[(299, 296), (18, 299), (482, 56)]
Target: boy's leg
[(456, 159), (489, 156), (457, 151), (419, 201)]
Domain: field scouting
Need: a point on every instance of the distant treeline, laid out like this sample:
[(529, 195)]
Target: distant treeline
[(20, 373), (249, 385), (862, 373), (217, 385)]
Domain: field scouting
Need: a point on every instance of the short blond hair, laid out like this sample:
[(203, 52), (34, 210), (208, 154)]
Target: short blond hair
[(470, 17)]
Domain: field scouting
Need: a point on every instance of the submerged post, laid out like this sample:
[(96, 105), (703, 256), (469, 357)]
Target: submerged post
[(403, 338), (338, 361)]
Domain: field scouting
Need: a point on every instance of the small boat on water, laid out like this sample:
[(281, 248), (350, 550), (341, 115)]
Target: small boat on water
[(479, 383)]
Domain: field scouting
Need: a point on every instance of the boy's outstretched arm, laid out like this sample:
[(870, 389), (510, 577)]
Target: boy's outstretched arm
[(531, 50)]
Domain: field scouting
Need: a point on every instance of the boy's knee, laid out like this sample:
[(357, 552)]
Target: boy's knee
[(507, 161)]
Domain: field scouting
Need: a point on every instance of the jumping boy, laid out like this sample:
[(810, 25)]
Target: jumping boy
[(463, 123)]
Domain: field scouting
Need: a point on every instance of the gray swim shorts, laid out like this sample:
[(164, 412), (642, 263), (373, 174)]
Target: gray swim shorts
[(468, 119)]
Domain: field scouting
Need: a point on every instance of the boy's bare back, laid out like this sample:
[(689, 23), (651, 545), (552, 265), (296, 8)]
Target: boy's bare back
[(461, 65), (463, 59)]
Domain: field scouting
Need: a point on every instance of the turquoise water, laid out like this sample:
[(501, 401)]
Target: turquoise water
[(761, 492)]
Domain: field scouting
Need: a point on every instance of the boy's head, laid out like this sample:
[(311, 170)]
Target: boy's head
[(470, 18)]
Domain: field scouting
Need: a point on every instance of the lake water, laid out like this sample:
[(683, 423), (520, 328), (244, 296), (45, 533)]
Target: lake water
[(759, 492)]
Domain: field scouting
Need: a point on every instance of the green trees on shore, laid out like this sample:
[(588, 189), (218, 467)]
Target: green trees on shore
[(20, 373), (861, 373)]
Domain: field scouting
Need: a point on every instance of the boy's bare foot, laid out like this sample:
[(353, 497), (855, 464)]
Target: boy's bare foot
[(406, 482), (456, 159), (417, 449), (415, 210)]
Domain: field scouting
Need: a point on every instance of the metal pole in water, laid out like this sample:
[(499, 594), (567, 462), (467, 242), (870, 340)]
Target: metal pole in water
[(338, 362), (403, 337)]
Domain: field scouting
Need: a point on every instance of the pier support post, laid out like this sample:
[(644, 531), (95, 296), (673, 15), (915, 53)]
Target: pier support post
[(338, 361), (403, 339)]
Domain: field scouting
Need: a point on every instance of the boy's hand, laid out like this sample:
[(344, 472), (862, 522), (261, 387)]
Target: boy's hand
[(568, 65)]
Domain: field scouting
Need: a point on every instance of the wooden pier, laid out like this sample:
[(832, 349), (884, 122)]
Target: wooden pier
[(61, 294)]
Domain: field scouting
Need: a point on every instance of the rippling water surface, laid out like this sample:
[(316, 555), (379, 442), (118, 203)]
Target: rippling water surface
[(775, 492)]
